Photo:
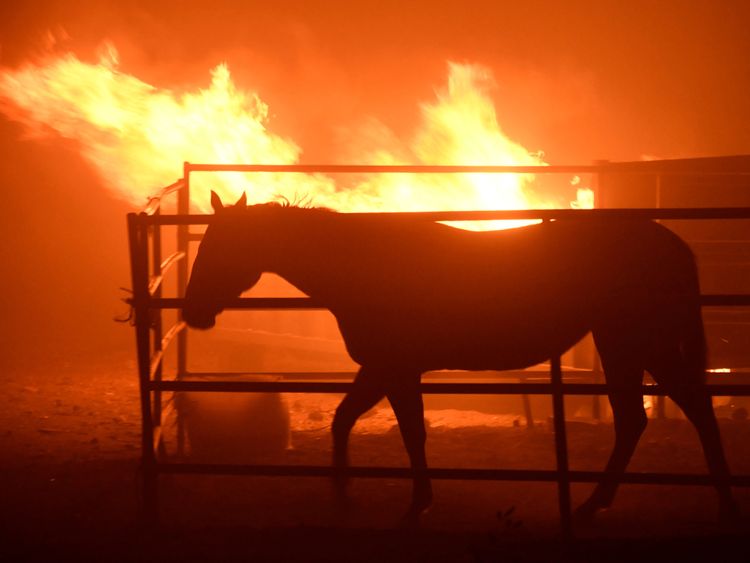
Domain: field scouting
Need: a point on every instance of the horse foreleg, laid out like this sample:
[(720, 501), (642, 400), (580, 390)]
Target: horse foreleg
[(630, 421), (406, 400), (366, 391)]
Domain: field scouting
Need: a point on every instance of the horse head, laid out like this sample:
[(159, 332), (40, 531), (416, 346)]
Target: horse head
[(224, 266)]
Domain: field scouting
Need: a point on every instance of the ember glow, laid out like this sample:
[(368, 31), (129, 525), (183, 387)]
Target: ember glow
[(136, 136)]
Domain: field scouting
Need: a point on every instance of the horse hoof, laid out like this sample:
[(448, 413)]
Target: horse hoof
[(343, 508), (413, 518), (585, 514), (409, 522), (342, 501), (729, 513), (419, 506)]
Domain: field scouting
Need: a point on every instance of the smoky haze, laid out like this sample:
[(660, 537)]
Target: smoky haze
[(578, 80)]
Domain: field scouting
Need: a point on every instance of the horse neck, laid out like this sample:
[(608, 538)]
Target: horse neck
[(302, 249)]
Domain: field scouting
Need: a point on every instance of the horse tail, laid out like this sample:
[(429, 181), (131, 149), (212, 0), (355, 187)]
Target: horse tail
[(693, 347)]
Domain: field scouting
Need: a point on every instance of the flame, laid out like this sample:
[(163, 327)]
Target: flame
[(136, 136)]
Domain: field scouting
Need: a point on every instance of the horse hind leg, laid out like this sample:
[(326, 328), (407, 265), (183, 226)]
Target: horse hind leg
[(406, 400), (683, 378), (366, 391), (624, 376)]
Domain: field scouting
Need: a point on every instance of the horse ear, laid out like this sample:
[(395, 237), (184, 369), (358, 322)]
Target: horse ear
[(242, 202), (216, 202)]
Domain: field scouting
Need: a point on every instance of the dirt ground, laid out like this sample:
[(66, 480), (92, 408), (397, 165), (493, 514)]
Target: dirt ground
[(69, 438)]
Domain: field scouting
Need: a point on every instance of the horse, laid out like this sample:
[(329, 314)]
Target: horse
[(413, 296)]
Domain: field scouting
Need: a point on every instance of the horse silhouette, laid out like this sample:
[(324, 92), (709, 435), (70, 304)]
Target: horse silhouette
[(411, 297)]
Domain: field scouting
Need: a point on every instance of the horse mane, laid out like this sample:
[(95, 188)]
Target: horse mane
[(299, 201)]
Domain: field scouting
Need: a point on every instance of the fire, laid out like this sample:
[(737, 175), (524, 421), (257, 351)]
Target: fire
[(136, 136)]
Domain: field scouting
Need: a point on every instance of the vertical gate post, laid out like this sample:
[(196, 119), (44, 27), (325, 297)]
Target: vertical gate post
[(183, 208), (561, 447), (156, 321), (138, 239), (598, 377), (661, 401), (183, 243)]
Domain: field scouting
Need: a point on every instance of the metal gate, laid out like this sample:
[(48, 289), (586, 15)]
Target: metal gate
[(149, 267)]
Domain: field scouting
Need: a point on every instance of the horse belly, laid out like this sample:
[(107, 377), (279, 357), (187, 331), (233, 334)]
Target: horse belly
[(502, 347), (432, 342)]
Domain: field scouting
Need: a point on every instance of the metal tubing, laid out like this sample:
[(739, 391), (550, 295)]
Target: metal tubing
[(155, 369), (248, 303), (173, 331), (597, 376), (158, 443), (473, 388), (671, 213), (183, 208), (183, 246), (561, 447), (138, 240), (447, 473), (391, 169), (164, 267), (541, 374), (154, 203), (730, 165), (156, 320), (709, 300), (149, 365)]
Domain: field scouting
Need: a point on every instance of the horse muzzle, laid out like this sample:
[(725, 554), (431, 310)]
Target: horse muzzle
[(200, 319)]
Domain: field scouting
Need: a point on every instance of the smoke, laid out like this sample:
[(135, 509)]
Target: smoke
[(581, 81)]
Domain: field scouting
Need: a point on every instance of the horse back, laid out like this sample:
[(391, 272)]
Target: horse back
[(439, 297)]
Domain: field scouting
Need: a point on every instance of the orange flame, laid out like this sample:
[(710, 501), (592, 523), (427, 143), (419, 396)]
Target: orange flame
[(136, 136)]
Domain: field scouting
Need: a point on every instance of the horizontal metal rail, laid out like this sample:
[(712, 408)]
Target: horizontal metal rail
[(393, 169), (666, 213), (245, 303), (731, 165), (473, 388), (546, 475), (493, 375), (536, 373), (263, 303)]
